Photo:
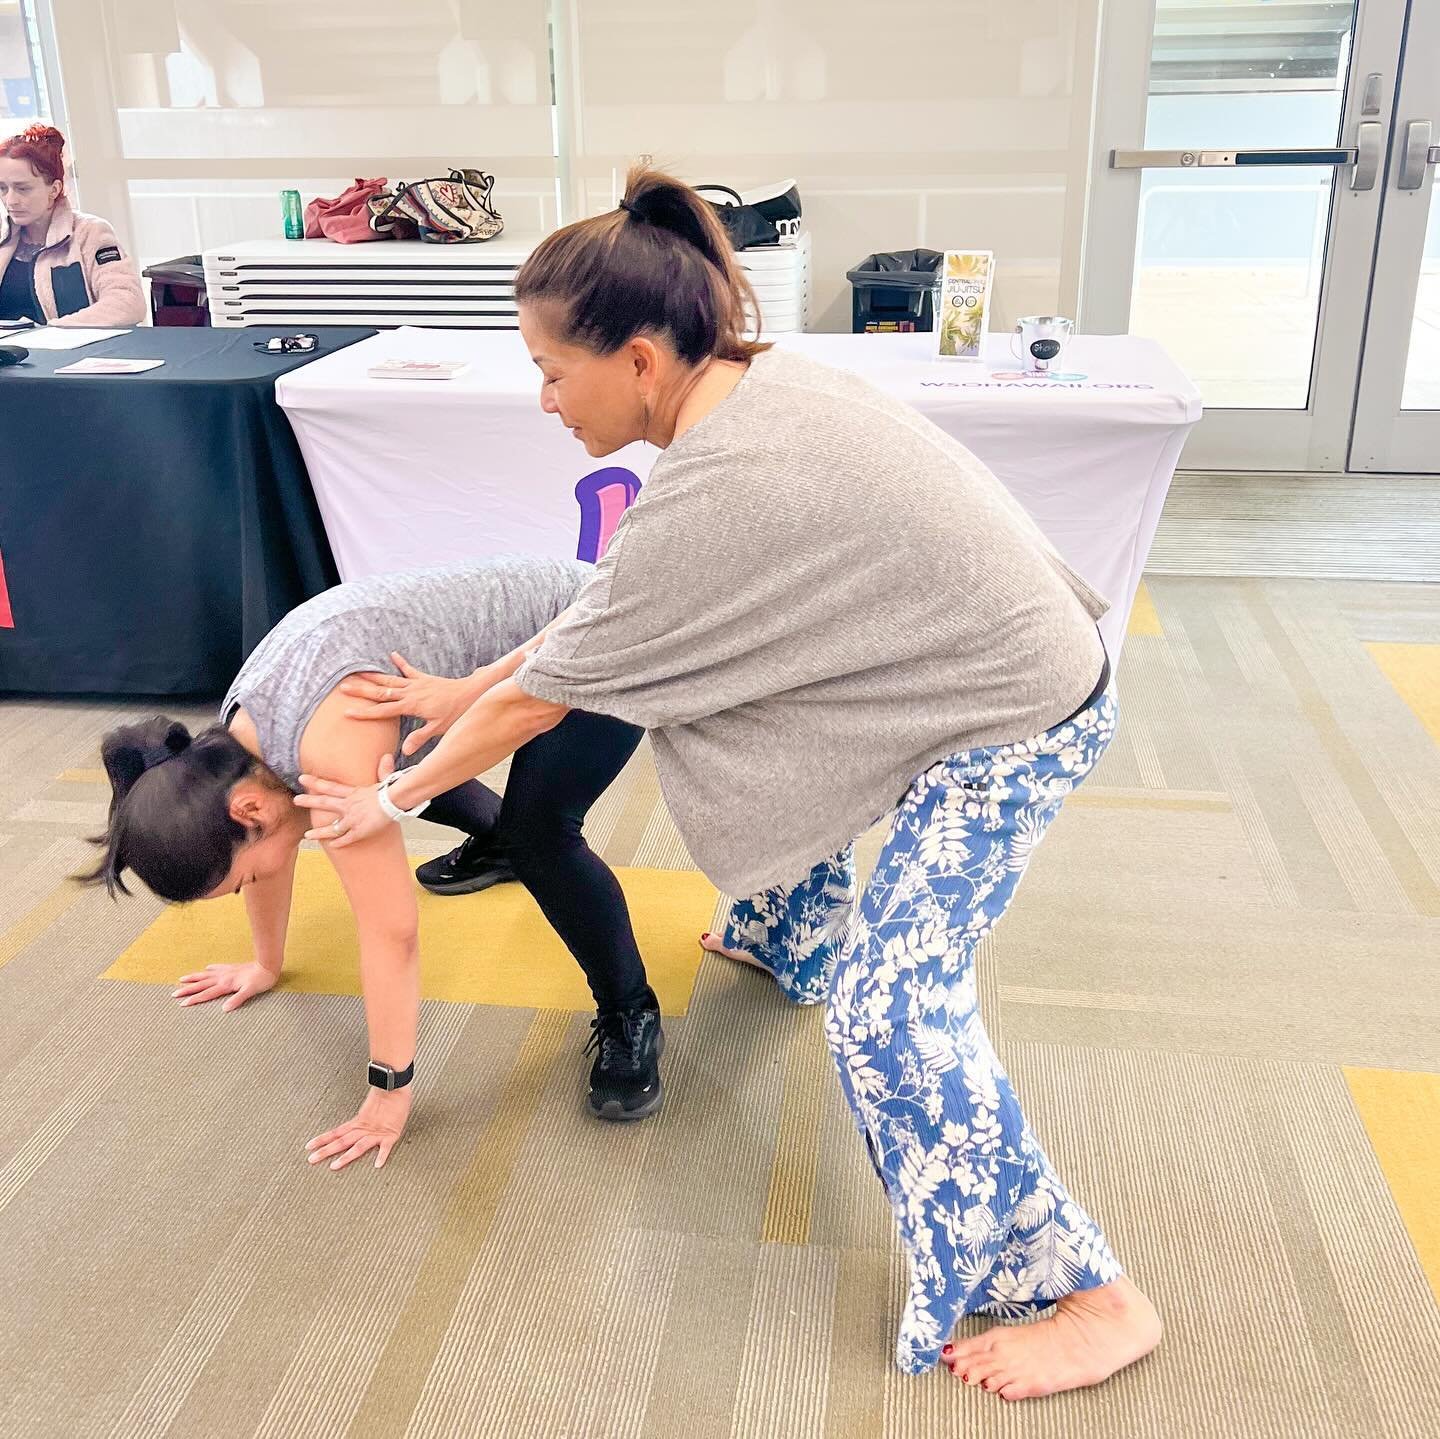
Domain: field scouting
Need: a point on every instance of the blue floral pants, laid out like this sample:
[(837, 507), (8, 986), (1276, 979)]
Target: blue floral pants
[(985, 1221)]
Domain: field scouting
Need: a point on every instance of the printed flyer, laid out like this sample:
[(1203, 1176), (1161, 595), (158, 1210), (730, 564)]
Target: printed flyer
[(963, 315)]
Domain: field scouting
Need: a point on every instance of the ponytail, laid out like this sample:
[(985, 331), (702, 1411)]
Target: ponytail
[(169, 816), (661, 264)]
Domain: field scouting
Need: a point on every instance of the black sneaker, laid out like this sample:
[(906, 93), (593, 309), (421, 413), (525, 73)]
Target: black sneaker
[(476, 865), (625, 1078)]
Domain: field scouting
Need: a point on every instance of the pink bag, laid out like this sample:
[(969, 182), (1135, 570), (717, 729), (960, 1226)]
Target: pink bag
[(346, 218)]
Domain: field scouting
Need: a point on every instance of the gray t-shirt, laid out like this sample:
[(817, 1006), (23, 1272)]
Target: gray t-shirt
[(448, 620), (817, 595)]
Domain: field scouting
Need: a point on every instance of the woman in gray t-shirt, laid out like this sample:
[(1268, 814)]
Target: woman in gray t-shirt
[(826, 612), (210, 815)]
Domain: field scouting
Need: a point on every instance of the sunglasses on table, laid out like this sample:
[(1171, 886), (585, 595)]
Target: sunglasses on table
[(286, 345)]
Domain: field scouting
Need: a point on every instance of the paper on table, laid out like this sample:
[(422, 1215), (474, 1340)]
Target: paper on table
[(108, 365), (56, 337), (418, 369)]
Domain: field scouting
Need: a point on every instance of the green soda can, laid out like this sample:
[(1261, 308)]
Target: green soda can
[(294, 216)]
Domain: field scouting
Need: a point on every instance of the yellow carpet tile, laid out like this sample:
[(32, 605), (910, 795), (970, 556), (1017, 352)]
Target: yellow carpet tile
[(1401, 1113), (488, 948), (1143, 617), (1414, 670)]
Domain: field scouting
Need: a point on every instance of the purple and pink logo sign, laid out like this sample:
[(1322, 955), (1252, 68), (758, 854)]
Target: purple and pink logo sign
[(603, 496)]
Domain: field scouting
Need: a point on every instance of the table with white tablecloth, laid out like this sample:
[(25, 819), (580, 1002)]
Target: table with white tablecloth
[(415, 472)]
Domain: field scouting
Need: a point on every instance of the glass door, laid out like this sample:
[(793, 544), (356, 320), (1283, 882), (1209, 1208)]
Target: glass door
[(1250, 181), (1397, 414)]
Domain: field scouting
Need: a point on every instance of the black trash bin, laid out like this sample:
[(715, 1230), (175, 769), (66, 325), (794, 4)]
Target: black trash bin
[(894, 291), (177, 292)]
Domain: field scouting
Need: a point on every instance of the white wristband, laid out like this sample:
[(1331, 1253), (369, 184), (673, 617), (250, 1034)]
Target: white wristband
[(389, 808)]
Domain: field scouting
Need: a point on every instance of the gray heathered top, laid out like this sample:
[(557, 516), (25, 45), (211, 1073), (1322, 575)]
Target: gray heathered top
[(817, 595), (448, 620)]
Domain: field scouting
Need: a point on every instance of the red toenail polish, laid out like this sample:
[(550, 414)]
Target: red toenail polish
[(948, 1349), (706, 935)]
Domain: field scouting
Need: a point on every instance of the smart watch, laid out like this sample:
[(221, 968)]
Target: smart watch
[(383, 1077), (388, 806)]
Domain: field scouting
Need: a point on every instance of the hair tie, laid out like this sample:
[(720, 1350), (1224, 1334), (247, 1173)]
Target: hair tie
[(630, 209)]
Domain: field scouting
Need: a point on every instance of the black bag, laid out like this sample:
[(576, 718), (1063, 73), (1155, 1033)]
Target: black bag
[(744, 224)]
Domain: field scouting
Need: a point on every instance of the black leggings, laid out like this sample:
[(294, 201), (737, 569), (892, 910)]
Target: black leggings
[(553, 782)]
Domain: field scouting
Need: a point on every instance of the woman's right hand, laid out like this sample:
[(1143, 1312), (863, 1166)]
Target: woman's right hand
[(239, 981), (412, 693)]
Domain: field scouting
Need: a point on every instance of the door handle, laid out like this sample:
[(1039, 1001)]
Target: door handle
[(1198, 159), (1370, 147), (1415, 155), (1370, 101), (1366, 155)]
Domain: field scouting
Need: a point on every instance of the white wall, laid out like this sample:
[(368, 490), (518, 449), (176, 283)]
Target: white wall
[(945, 123), (188, 117)]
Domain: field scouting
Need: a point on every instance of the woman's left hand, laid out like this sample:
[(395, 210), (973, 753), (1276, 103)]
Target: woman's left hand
[(432, 698), (378, 1125), (341, 813)]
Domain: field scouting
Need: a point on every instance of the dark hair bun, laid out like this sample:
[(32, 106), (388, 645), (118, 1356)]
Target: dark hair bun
[(660, 199), (131, 750)]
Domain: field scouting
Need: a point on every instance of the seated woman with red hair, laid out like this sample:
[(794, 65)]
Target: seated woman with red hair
[(57, 266)]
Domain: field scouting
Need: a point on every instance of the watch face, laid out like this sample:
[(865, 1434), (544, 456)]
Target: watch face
[(381, 1076)]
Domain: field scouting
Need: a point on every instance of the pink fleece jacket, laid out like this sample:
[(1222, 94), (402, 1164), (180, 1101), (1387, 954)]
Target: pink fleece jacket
[(82, 276)]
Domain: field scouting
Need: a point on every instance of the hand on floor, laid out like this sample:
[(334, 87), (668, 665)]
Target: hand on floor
[(378, 1125), (239, 981)]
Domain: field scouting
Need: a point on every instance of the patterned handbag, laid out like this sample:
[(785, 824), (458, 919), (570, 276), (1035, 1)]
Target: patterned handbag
[(453, 211)]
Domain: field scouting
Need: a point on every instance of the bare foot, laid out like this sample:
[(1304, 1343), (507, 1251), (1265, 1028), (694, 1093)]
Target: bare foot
[(1088, 1337), (711, 942)]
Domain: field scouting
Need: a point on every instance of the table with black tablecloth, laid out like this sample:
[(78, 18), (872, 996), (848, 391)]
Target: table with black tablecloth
[(153, 527)]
